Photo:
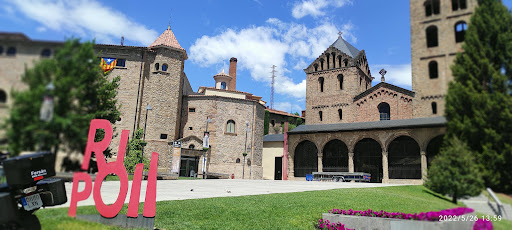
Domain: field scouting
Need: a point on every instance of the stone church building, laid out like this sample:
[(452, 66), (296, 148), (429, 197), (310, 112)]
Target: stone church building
[(388, 131), (155, 94)]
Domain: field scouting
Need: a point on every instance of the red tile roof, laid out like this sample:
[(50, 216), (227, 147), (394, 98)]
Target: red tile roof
[(275, 111), (167, 38)]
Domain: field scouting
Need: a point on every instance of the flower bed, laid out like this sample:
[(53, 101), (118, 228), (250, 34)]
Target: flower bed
[(370, 219)]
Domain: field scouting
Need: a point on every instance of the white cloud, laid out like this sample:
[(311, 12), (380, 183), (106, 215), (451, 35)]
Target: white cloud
[(288, 107), (316, 8), (275, 43), (396, 74), (41, 29), (85, 17)]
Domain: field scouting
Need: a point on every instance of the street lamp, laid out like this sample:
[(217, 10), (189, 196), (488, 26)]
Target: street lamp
[(148, 107), (245, 149), (206, 145), (46, 111)]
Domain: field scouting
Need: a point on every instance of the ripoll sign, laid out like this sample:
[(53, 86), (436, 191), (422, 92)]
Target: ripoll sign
[(117, 167)]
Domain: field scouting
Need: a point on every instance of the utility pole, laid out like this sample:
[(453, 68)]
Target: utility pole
[(272, 89)]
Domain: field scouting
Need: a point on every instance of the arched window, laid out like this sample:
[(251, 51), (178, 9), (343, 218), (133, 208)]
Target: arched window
[(434, 108), (360, 81), (432, 70), (230, 126), (157, 66), (345, 62), (334, 60), (46, 53), (327, 55), (164, 67), (321, 83), (458, 5), (431, 36), (340, 114), (237, 160), (223, 85), (11, 51), (3, 96), (321, 64), (339, 61), (384, 111), (340, 81), (320, 115), (432, 7), (316, 67), (460, 31), (191, 146)]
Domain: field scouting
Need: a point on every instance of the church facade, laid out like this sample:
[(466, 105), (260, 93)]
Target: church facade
[(388, 131)]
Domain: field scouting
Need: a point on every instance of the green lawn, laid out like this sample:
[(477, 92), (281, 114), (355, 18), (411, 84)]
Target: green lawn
[(273, 211)]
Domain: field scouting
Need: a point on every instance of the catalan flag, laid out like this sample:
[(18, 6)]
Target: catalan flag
[(107, 63)]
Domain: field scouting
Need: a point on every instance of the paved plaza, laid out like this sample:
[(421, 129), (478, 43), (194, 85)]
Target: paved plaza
[(197, 189)]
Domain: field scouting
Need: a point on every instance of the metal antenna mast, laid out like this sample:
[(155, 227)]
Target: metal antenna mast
[(272, 89)]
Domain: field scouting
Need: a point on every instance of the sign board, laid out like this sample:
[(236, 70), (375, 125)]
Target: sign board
[(176, 157), (117, 167)]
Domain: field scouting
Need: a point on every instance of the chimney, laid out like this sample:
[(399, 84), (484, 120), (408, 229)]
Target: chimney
[(232, 73)]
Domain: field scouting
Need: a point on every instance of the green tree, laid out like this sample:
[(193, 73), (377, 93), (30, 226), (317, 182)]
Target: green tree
[(266, 123), (134, 154), (454, 172), (82, 93), (478, 103)]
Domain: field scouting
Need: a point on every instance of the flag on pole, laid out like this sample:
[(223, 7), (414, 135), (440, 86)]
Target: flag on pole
[(107, 64)]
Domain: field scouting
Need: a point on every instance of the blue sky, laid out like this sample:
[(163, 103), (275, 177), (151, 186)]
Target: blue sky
[(260, 33)]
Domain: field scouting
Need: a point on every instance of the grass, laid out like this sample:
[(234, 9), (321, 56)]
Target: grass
[(116, 178), (274, 211)]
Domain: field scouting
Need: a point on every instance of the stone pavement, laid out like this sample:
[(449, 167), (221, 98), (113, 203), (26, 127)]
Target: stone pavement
[(483, 205), (197, 189)]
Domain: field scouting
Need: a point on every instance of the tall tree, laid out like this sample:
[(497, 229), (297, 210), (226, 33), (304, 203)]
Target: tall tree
[(479, 102), (134, 155), (82, 92)]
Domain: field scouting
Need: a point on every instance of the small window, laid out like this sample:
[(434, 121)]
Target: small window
[(248, 162), (327, 55), (320, 115), (460, 31), (434, 108), (163, 136), (340, 81), (340, 114), (121, 62), (190, 128), (432, 36), (316, 67), (1, 50), (157, 66), (345, 62), (432, 7), (273, 123), (339, 61), (384, 111), (11, 51), (237, 160), (46, 53), (458, 5), (230, 126), (191, 110), (223, 85), (360, 81), (321, 64), (3, 96), (432, 70), (321, 84), (164, 67), (191, 146)]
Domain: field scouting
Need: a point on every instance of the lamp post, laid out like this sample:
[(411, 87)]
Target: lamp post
[(148, 107), (46, 111), (245, 149), (206, 145)]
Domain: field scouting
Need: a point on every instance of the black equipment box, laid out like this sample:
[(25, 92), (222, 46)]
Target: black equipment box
[(25, 171)]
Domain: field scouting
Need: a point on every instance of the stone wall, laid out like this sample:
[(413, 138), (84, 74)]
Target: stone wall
[(226, 147), (367, 107), (433, 90)]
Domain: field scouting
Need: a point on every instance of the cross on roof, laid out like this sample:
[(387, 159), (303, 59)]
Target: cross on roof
[(340, 33)]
